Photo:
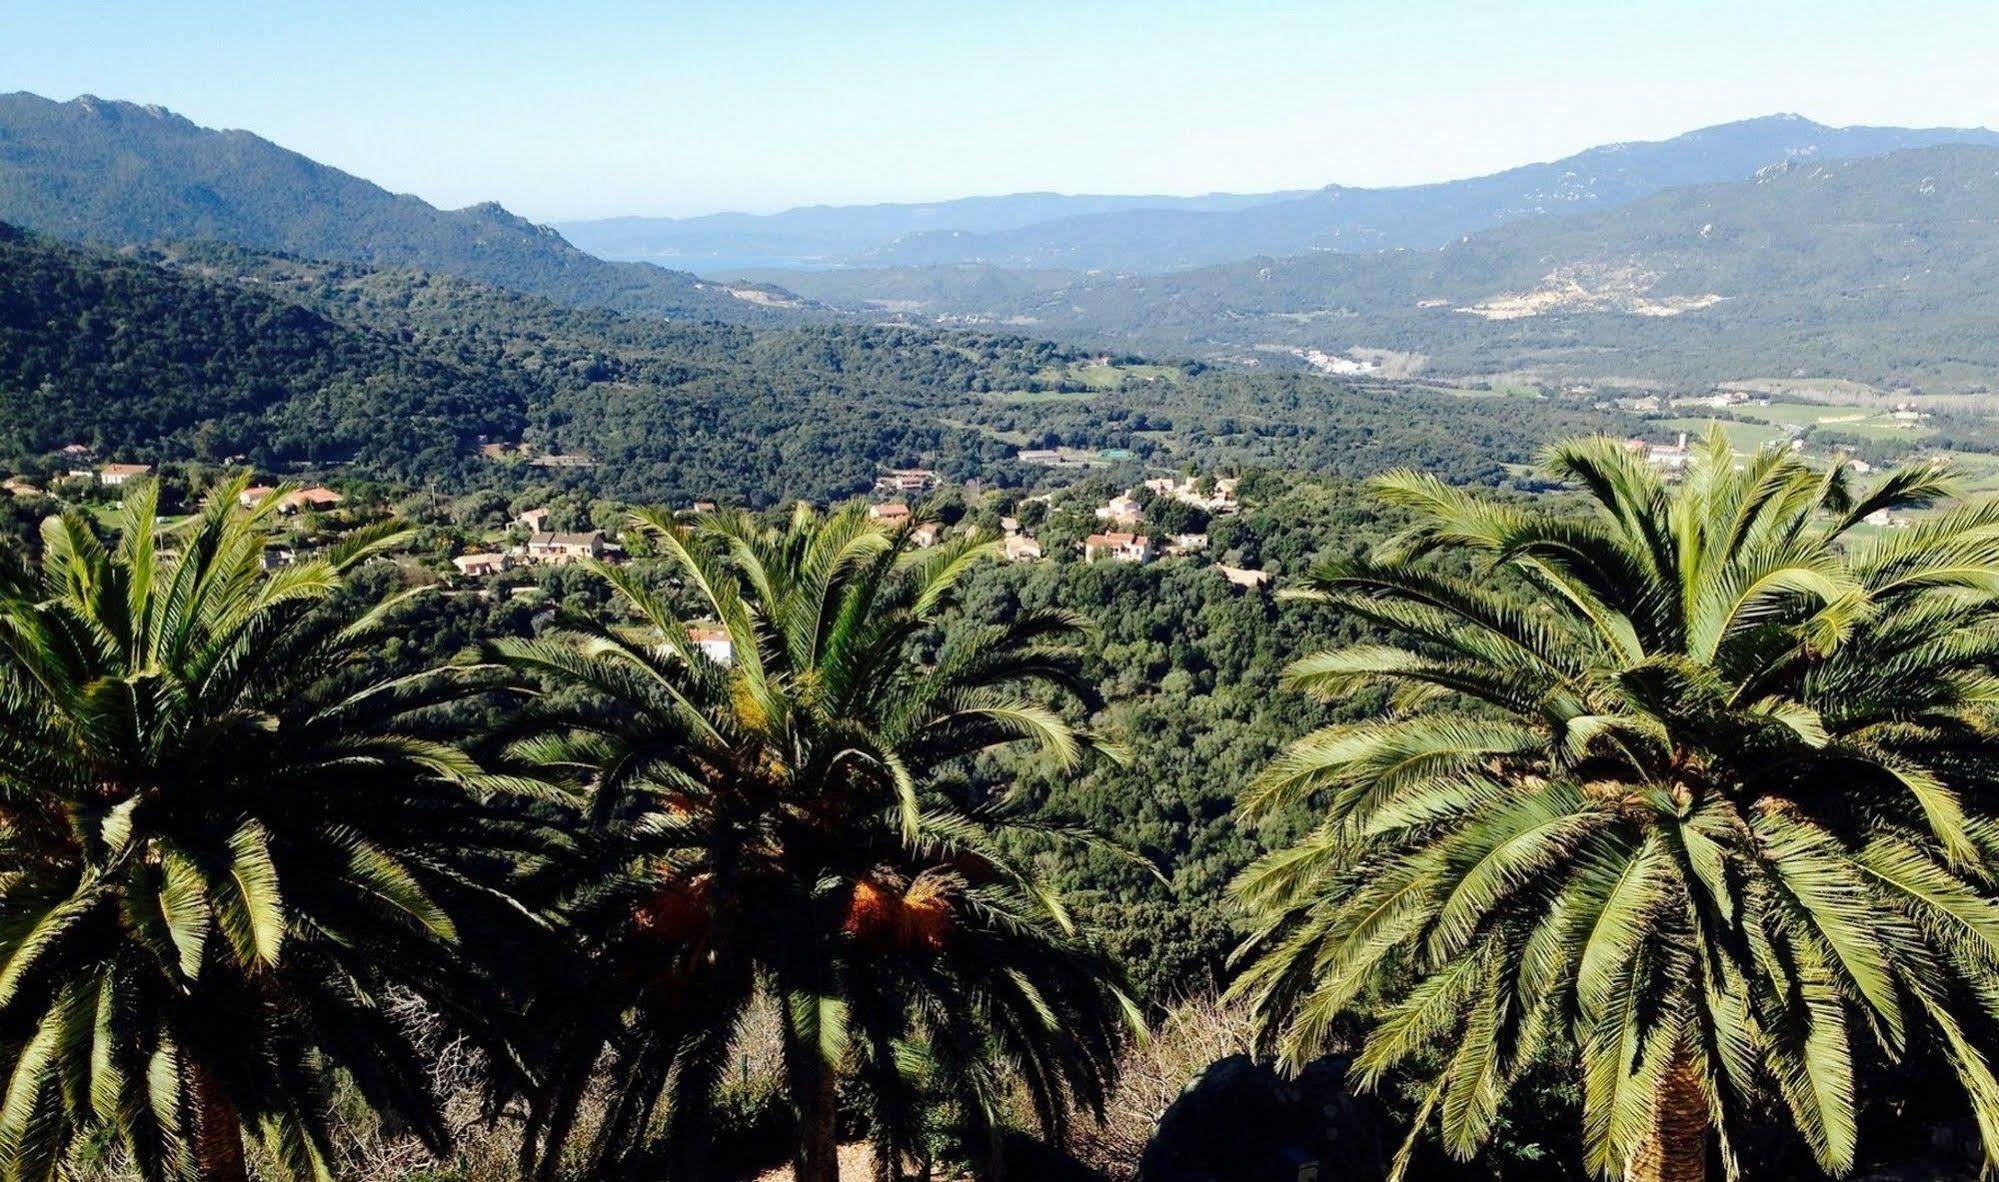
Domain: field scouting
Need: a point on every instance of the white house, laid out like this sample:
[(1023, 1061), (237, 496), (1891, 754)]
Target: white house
[(556, 549), (1122, 510), (117, 475), (1117, 547), (713, 643), (906, 480), (478, 565)]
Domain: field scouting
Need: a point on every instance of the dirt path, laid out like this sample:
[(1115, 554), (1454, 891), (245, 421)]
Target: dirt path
[(857, 1164)]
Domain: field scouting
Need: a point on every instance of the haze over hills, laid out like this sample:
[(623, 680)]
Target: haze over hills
[(1872, 269), (836, 235), (119, 173), (1138, 234)]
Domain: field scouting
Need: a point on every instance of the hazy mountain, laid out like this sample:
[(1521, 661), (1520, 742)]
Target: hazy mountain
[(115, 173), (828, 235), (1132, 234), (1875, 269), (1337, 218)]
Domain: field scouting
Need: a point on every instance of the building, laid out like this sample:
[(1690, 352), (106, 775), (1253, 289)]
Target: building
[(705, 507), (536, 520), (474, 566), (1187, 543), (316, 497), (76, 450), (906, 480), (1254, 580), (117, 475), (1009, 526), (713, 643), (556, 549), (1667, 457), (1122, 510), (1117, 547), (17, 487), (1187, 492), (1021, 548), (925, 535), (891, 513), (1045, 456), (253, 496)]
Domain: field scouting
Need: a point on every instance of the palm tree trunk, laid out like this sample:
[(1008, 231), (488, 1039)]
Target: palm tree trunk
[(218, 1130), (818, 1158), (1676, 1149)]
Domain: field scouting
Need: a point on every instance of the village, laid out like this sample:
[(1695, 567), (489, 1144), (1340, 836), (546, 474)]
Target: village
[(1159, 518)]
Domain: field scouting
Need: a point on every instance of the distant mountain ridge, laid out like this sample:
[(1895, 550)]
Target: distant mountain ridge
[(1873, 269), (1148, 234), (1418, 217), (119, 173), (838, 234)]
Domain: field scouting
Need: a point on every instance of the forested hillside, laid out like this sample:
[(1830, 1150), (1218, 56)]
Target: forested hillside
[(116, 173), (139, 361), (205, 352), (1872, 270)]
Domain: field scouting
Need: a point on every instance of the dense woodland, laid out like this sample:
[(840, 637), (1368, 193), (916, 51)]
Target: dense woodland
[(205, 353)]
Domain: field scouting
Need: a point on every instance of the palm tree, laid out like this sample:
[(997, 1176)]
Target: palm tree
[(1689, 794), (784, 813), (227, 845)]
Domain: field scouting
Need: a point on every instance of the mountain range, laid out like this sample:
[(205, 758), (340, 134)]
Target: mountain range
[(1149, 234), (835, 235), (93, 170), (1822, 261), (1875, 269)]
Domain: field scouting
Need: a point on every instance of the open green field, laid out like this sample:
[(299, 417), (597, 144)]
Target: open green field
[(1107, 377), (1977, 472), (1493, 389), (1852, 420), (1743, 437)]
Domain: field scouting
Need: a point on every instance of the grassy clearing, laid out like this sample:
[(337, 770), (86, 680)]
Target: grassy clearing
[(1852, 420), (1743, 437), (1106, 377), (1977, 472)]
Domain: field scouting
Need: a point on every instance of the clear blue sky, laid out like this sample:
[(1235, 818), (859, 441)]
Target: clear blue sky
[(596, 107)]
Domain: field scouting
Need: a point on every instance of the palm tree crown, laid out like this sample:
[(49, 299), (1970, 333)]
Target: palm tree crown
[(784, 813), (1690, 792), (225, 843)]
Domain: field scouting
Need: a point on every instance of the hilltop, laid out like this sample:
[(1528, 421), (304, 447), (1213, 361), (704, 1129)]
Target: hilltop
[(93, 170)]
